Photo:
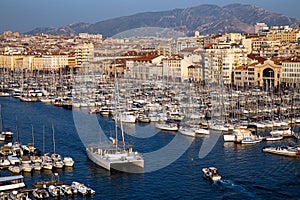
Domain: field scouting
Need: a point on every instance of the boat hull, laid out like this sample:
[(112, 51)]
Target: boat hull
[(127, 165)]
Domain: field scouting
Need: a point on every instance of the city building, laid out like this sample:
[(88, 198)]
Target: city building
[(291, 72)]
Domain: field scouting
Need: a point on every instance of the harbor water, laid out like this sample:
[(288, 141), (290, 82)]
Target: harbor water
[(247, 172)]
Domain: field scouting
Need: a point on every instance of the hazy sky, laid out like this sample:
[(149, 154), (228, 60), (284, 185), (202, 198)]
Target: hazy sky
[(25, 15)]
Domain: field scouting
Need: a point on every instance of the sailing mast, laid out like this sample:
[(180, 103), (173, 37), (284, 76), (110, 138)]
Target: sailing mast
[(1, 120), (17, 130), (43, 139), (53, 137), (32, 134)]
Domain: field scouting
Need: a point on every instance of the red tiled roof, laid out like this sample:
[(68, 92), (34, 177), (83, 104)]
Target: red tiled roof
[(242, 67), (256, 57)]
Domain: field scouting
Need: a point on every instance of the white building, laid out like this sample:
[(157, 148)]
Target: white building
[(221, 60), (291, 72), (144, 71), (175, 68), (84, 53)]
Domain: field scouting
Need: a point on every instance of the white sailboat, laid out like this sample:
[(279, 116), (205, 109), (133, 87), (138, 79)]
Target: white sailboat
[(56, 158), (112, 154), (46, 159), (4, 134)]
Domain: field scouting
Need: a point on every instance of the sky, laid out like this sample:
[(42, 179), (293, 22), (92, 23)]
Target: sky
[(25, 15)]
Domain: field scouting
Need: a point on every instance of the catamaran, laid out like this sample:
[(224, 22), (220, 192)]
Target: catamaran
[(113, 154)]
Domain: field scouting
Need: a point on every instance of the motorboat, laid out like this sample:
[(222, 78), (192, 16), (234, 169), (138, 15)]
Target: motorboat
[(201, 131), (167, 126), (4, 162), (285, 132), (66, 189), (237, 135), (218, 127), (211, 173), (82, 189), (57, 161), (187, 131), (273, 138), (53, 191), (16, 169), (37, 166), (251, 140), (47, 162), (40, 193), (27, 167), (283, 150), (68, 161)]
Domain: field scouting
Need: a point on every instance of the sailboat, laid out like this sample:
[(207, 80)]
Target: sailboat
[(4, 134), (56, 158), (46, 159), (114, 154)]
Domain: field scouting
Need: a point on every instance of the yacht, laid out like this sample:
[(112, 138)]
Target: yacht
[(283, 150), (187, 131), (167, 126), (110, 155), (285, 132)]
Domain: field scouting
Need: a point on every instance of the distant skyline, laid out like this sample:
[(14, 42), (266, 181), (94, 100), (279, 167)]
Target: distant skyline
[(25, 15)]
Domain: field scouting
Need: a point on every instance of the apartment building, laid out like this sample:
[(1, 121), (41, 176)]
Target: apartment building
[(221, 60), (283, 34), (291, 72)]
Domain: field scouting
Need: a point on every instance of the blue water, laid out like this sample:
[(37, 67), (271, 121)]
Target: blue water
[(247, 173)]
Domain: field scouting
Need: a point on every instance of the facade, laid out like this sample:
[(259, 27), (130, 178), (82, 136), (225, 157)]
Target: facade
[(175, 68), (261, 28), (268, 74), (83, 54), (284, 34), (291, 72), (144, 71), (223, 59)]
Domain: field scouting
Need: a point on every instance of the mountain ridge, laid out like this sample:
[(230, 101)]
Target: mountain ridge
[(205, 18)]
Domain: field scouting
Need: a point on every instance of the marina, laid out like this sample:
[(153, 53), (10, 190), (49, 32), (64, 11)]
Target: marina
[(228, 157), (140, 118)]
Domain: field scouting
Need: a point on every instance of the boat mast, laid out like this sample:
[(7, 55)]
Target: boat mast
[(1, 121), (43, 139), (17, 130), (32, 133), (53, 137), (117, 100)]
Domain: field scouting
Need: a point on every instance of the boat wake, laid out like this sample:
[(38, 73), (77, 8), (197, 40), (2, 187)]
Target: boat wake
[(227, 184)]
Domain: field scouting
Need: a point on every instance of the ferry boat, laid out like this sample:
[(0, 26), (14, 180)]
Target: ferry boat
[(11, 182)]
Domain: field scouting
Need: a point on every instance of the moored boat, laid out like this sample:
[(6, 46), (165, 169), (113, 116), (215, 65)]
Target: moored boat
[(11, 182), (40, 193), (68, 162), (251, 140), (167, 126)]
